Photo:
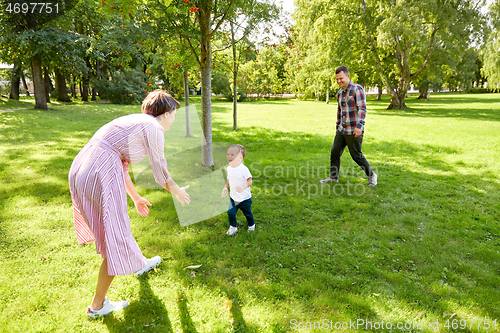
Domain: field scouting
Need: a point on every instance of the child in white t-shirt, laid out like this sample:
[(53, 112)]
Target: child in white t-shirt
[(239, 180)]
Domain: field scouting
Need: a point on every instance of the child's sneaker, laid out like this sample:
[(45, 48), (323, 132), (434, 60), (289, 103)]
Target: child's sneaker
[(107, 308), (232, 230), (152, 263), (252, 228)]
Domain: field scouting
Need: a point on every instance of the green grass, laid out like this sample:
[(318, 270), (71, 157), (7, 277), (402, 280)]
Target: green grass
[(422, 246)]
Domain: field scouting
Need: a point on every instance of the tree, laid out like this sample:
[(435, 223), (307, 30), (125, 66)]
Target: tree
[(209, 16), (22, 25), (241, 26), (491, 56), (395, 38)]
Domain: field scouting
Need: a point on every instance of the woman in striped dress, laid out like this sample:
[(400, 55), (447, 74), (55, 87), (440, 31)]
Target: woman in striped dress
[(99, 182)]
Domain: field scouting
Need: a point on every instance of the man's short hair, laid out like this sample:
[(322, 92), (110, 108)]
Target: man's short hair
[(342, 69), (159, 102), (242, 149)]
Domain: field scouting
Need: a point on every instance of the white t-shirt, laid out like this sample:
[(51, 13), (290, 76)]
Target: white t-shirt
[(238, 176)]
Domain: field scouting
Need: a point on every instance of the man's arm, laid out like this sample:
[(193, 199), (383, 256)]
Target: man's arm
[(360, 98)]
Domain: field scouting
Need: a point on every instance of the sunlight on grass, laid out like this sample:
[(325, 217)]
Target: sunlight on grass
[(422, 246)]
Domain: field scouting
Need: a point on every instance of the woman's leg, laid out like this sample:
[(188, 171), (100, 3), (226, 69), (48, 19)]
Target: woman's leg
[(103, 282)]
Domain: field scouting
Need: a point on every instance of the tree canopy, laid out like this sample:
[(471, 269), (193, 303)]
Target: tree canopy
[(394, 39)]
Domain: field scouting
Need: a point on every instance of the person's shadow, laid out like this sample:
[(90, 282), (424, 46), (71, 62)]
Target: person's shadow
[(147, 314), (186, 321)]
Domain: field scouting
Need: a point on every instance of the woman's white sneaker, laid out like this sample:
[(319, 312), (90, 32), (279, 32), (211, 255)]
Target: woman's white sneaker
[(151, 263), (107, 308)]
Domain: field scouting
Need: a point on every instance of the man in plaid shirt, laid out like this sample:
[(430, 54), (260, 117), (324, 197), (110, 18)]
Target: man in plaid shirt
[(351, 115)]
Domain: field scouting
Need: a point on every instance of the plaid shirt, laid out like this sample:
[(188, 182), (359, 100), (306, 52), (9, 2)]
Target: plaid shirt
[(351, 110)]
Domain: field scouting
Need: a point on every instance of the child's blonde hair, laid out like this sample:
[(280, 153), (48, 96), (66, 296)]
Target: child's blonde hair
[(242, 149)]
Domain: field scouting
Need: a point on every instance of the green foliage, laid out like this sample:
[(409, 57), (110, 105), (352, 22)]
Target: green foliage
[(126, 86), (268, 74), (385, 42), (491, 56), (483, 90), (221, 84)]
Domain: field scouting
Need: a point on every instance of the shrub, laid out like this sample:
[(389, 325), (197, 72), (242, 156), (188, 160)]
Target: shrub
[(220, 84), (123, 87), (241, 96), (483, 90)]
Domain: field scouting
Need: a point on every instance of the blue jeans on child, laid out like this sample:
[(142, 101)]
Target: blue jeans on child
[(246, 208)]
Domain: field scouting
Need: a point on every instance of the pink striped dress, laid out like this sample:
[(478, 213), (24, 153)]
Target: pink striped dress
[(97, 183)]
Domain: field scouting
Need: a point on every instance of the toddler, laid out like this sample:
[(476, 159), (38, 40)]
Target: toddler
[(239, 180)]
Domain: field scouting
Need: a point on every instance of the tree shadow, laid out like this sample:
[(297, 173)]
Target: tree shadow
[(146, 314), (476, 107), (185, 317), (234, 305), (389, 266)]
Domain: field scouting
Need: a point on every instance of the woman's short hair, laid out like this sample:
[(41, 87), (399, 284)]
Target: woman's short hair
[(159, 102)]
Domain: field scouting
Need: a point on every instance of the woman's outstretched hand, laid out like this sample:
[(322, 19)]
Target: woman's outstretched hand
[(141, 205), (182, 195)]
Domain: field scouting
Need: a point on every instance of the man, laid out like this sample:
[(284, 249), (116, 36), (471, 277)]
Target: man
[(351, 113)]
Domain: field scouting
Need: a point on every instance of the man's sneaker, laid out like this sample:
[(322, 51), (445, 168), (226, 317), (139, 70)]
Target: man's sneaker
[(107, 307), (329, 180), (232, 230), (151, 263), (372, 181), (252, 228)]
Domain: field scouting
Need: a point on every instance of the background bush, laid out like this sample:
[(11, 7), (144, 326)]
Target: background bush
[(124, 87)]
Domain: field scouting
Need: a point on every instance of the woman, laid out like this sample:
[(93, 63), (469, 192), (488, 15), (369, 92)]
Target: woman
[(99, 182)]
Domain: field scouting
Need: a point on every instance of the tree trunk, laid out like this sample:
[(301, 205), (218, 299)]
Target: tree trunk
[(73, 86), (327, 93), (25, 85), (379, 91), (186, 101), (235, 81), (47, 83), (39, 86), (85, 82), (62, 90), (96, 75), (15, 81), (204, 18), (399, 95), (398, 99), (423, 91), (85, 87)]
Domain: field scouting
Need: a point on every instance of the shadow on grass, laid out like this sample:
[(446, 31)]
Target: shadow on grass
[(414, 238), (478, 107), (186, 320), (420, 241), (146, 314)]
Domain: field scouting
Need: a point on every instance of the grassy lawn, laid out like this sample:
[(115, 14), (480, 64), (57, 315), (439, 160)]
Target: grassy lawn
[(421, 248)]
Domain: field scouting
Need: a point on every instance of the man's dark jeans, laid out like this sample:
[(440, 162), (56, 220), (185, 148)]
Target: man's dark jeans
[(354, 144)]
